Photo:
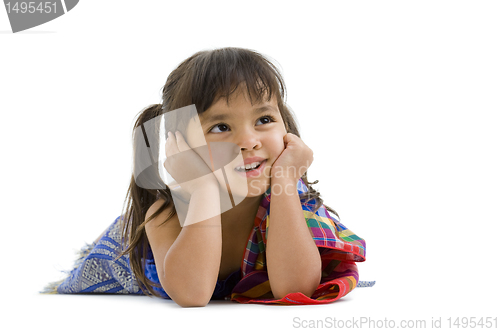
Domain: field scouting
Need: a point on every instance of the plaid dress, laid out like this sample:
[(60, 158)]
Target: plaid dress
[(97, 271), (338, 246)]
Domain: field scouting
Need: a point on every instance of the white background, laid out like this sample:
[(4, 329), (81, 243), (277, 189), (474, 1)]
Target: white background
[(399, 100)]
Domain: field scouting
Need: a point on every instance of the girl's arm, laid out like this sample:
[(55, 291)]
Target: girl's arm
[(293, 260), (191, 265), (188, 267)]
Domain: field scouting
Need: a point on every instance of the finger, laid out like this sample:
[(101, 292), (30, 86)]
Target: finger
[(294, 139), (287, 139), (171, 145), (181, 142)]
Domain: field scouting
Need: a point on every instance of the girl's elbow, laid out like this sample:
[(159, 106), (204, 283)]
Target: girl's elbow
[(187, 299), (190, 304), (306, 288), (188, 294), (196, 300)]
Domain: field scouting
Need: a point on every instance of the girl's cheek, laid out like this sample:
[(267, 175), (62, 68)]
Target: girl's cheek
[(275, 143), (194, 134)]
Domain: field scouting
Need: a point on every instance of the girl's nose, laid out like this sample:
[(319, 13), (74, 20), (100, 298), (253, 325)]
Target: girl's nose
[(248, 140)]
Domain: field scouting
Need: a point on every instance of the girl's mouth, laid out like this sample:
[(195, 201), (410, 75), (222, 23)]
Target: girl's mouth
[(254, 169)]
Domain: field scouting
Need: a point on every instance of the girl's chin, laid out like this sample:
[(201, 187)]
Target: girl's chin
[(257, 188), (254, 188), (243, 187)]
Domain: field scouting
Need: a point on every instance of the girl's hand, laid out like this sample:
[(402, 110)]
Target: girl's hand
[(294, 161), (186, 166)]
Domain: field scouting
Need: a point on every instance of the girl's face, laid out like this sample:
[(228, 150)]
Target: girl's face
[(257, 130)]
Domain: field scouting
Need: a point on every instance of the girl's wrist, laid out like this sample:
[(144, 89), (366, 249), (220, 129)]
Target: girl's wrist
[(286, 185), (207, 188)]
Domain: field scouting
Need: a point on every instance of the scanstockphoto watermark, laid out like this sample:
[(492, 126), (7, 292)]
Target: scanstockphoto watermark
[(275, 173), (357, 323), (386, 323), (171, 151), (24, 15)]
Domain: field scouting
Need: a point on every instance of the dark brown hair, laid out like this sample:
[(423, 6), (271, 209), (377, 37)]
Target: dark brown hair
[(202, 79)]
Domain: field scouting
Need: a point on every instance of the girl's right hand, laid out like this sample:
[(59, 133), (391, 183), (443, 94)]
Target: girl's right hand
[(186, 166)]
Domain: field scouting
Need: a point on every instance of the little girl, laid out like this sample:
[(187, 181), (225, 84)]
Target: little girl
[(275, 242)]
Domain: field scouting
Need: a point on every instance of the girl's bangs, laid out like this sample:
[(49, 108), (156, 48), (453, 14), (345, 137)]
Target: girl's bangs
[(222, 75)]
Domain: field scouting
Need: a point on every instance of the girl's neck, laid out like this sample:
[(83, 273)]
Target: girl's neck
[(242, 214)]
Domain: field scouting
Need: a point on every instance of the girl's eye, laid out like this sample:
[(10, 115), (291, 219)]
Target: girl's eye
[(220, 127), (267, 119)]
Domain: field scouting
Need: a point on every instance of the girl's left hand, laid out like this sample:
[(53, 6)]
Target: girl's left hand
[(294, 161)]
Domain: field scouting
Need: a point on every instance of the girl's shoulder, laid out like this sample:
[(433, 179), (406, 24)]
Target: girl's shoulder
[(163, 216), (161, 231)]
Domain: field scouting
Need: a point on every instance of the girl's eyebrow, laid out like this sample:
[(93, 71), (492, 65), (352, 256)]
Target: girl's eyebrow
[(222, 116)]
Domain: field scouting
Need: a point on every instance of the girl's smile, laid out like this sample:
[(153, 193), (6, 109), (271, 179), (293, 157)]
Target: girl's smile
[(251, 169)]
